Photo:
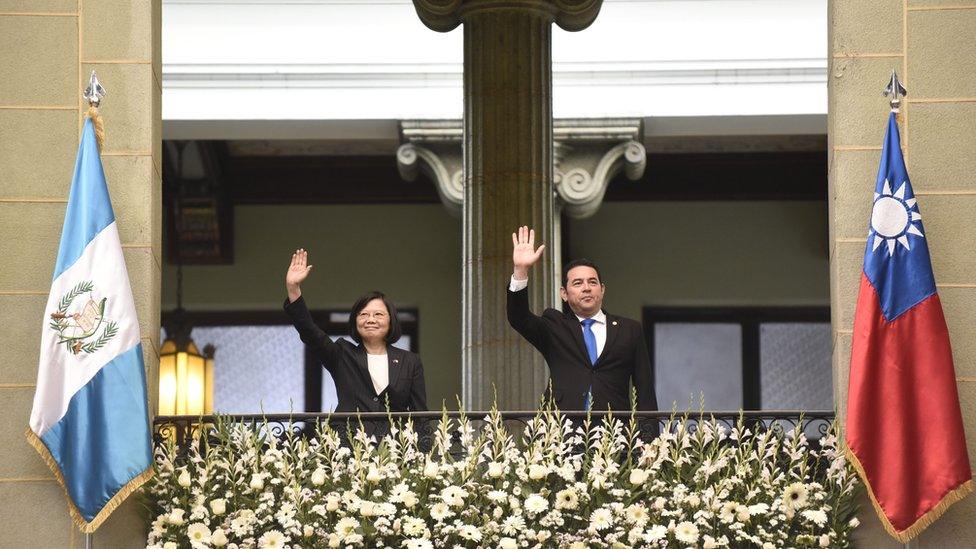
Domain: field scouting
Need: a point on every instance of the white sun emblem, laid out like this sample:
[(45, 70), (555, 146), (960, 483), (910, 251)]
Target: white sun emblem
[(892, 217)]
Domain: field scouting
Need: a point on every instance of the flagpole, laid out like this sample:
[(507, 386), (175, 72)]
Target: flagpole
[(88, 541)]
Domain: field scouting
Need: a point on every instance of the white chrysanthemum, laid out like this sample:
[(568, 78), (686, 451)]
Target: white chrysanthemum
[(496, 469), (497, 496), (538, 472), (440, 511), (198, 533), (795, 495), (454, 496), (655, 533), (686, 532), (419, 543), (413, 526), (346, 527), (637, 514), (272, 540), (758, 509), (567, 499), (817, 516), (535, 504), (601, 519), (218, 538), (507, 543), (513, 524), (469, 533)]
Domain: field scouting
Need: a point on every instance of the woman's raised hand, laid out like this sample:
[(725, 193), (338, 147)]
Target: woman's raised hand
[(297, 273), (524, 253)]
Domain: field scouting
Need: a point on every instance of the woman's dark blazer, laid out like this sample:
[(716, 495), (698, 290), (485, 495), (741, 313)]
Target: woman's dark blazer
[(347, 363)]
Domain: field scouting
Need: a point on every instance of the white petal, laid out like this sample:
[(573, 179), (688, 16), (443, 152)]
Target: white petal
[(914, 230), (903, 240), (911, 202), (900, 193), (891, 246), (877, 196), (916, 216), (887, 189), (877, 242)]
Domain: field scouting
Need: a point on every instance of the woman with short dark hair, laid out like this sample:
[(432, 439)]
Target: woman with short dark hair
[(371, 373)]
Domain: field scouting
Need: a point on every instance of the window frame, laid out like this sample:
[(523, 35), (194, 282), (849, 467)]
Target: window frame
[(749, 318)]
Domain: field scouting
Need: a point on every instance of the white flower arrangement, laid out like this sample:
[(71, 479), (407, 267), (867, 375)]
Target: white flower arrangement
[(593, 484)]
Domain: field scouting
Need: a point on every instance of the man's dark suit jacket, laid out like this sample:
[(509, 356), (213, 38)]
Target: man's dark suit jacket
[(347, 363), (559, 337)]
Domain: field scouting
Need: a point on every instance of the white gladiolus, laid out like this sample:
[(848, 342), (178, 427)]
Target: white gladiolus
[(373, 476), (250, 488), (184, 479)]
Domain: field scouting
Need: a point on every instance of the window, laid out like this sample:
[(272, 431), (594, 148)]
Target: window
[(261, 364), (742, 357)]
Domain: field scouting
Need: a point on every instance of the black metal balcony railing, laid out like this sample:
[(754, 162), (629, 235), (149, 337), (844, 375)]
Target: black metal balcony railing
[(183, 429)]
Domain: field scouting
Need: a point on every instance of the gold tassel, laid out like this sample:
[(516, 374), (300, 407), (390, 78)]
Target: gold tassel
[(123, 492), (923, 521), (98, 125)]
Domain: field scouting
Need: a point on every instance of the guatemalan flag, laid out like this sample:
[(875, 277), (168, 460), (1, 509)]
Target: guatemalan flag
[(904, 428), (90, 419)]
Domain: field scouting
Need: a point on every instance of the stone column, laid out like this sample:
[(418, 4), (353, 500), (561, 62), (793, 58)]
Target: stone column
[(507, 178), (47, 51)]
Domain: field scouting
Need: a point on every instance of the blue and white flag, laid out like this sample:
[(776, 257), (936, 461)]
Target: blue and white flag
[(90, 420)]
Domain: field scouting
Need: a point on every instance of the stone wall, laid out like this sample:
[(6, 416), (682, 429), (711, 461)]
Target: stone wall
[(930, 44), (47, 50)]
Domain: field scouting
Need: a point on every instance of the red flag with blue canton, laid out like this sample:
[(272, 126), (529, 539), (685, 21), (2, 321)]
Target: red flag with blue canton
[(904, 427)]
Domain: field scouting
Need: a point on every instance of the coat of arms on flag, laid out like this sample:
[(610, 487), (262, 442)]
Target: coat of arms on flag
[(90, 419), (904, 426)]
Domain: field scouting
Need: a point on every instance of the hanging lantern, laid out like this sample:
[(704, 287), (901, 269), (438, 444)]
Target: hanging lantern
[(185, 375), (182, 372)]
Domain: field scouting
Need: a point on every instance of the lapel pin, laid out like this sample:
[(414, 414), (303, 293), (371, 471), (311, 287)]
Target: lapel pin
[(614, 322), (396, 361)]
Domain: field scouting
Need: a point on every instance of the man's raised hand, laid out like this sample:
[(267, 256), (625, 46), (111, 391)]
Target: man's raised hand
[(524, 253), (297, 273)]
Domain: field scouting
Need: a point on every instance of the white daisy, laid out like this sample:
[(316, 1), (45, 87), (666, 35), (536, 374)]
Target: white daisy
[(601, 519), (272, 540), (198, 533)]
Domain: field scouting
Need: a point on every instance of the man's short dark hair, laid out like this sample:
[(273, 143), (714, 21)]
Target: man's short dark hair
[(582, 262), (393, 335)]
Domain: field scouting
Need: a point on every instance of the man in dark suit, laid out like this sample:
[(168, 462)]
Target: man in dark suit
[(593, 356)]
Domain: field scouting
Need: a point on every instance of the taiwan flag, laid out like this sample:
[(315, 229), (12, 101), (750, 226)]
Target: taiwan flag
[(904, 428)]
